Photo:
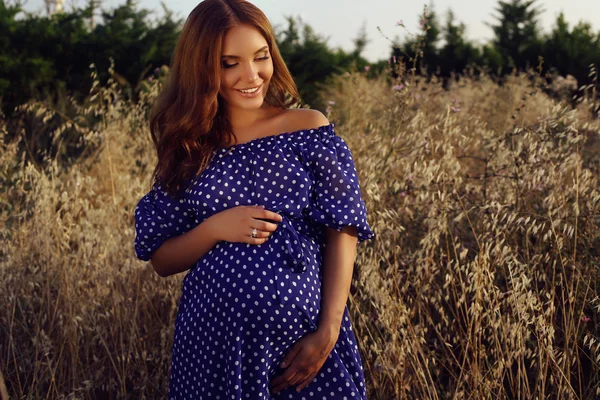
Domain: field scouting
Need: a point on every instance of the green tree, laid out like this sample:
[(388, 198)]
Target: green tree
[(37, 52), (491, 59), (424, 47), (311, 61), (572, 51), (516, 34), (127, 36), (41, 56), (431, 32), (8, 55), (360, 42), (457, 53)]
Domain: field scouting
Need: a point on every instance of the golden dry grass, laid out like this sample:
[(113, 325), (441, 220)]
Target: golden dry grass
[(482, 283)]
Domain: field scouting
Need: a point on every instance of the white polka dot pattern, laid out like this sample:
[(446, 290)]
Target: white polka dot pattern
[(337, 200), (158, 217), (243, 306)]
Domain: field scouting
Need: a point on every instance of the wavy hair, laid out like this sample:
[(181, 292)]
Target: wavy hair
[(188, 121)]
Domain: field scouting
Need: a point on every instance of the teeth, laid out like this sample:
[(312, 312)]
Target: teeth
[(249, 90)]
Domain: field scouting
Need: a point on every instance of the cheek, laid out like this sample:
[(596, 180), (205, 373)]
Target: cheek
[(265, 69), (227, 80), (268, 71)]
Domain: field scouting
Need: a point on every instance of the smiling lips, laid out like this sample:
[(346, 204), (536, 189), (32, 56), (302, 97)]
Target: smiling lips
[(253, 92), (248, 90)]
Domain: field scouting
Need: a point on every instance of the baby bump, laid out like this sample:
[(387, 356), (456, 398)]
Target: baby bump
[(238, 274), (247, 277)]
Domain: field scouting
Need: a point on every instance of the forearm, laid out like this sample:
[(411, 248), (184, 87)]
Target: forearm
[(338, 263), (180, 253)]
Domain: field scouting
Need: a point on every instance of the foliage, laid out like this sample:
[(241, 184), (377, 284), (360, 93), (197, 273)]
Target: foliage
[(311, 61), (572, 51), (517, 34), (49, 56), (457, 54), (482, 282)]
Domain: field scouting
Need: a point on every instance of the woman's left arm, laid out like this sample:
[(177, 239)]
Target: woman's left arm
[(307, 356), (338, 263)]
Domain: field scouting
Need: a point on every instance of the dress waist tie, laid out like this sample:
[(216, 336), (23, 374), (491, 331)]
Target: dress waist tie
[(296, 256)]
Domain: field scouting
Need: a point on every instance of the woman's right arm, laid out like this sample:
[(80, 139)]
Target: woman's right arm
[(180, 253)]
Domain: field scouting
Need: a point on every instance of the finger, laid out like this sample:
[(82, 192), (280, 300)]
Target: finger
[(283, 378), (266, 214), (263, 225), (284, 381), (307, 381), (257, 241), (252, 208), (297, 378), (289, 357), (259, 234)]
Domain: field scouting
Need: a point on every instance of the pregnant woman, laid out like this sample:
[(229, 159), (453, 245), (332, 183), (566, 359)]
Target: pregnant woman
[(261, 203)]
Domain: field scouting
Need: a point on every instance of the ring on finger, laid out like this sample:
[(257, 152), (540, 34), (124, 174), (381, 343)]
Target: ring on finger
[(254, 233)]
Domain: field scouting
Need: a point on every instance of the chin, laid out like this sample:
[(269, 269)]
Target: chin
[(254, 103), (246, 106)]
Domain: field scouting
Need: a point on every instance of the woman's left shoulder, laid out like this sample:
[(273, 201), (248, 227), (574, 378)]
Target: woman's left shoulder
[(305, 118)]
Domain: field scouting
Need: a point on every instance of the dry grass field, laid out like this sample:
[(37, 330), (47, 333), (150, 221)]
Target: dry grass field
[(483, 282)]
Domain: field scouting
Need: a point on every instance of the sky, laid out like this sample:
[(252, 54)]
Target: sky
[(341, 20)]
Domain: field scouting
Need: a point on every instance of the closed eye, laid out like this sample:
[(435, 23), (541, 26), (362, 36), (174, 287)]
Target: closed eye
[(225, 65)]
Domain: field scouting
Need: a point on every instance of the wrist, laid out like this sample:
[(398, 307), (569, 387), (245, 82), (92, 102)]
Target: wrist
[(210, 228), (329, 327), (329, 333)]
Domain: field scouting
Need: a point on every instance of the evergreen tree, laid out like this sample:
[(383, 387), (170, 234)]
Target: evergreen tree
[(572, 51), (41, 56), (424, 47), (360, 42), (457, 53), (516, 34), (311, 61)]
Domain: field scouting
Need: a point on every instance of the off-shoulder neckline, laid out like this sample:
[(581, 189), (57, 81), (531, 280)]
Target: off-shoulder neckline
[(276, 136)]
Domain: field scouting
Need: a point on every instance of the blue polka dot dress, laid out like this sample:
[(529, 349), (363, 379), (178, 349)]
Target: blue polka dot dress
[(243, 306)]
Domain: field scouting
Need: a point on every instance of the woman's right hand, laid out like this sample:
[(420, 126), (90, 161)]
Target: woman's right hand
[(235, 224)]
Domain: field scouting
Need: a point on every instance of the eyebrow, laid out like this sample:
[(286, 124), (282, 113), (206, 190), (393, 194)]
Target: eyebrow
[(257, 51)]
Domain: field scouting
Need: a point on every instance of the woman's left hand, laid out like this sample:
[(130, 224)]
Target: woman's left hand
[(305, 359)]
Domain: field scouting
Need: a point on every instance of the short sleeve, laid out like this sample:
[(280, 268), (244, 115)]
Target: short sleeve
[(159, 217), (336, 198)]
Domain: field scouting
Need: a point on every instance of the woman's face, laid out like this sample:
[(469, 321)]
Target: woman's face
[(247, 66)]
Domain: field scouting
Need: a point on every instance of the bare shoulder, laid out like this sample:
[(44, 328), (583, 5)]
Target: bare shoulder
[(297, 119)]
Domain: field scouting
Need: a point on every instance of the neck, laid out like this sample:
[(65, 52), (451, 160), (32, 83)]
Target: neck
[(241, 120)]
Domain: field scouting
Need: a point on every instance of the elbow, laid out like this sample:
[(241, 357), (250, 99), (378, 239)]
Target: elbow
[(158, 269), (159, 265)]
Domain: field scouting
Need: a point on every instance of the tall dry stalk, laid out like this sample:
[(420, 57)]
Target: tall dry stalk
[(482, 283)]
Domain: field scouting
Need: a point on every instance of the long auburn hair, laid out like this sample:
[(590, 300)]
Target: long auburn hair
[(188, 121)]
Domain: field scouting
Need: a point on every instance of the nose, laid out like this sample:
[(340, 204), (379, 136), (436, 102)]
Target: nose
[(251, 73)]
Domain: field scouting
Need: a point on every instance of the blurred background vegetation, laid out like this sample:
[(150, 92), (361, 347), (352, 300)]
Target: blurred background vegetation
[(48, 56), (479, 167)]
